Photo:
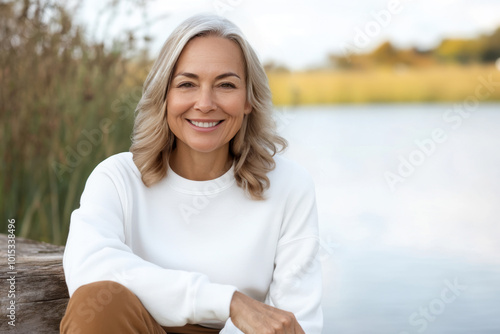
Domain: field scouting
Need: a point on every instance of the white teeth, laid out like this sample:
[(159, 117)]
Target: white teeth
[(205, 124)]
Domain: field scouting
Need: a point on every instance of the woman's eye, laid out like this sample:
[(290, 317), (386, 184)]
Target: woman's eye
[(227, 85), (185, 85)]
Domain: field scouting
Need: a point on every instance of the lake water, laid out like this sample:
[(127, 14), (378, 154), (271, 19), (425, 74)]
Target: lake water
[(409, 208)]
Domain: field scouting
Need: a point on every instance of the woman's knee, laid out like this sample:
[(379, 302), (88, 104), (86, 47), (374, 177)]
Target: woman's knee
[(99, 298), (96, 303)]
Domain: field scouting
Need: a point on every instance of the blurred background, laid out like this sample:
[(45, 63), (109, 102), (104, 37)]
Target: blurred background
[(393, 106)]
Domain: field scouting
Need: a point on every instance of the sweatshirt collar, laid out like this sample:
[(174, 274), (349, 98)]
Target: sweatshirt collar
[(208, 187)]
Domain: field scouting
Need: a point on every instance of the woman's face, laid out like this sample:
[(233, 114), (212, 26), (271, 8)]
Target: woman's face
[(206, 101)]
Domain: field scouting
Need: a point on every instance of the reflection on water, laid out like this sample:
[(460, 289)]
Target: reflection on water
[(408, 199)]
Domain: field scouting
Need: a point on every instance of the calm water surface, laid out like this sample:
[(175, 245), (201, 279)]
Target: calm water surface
[(409, 207)]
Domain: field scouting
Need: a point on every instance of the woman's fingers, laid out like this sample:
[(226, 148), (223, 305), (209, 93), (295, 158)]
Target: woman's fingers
[(254, 317)]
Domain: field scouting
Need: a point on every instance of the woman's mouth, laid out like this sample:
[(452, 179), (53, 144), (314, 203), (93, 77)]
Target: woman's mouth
[(202, 124)]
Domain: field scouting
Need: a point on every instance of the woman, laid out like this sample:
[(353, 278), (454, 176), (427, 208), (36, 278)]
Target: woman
[(200, 228)]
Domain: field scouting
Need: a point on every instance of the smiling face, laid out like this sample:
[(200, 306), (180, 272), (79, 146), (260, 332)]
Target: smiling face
[(206, 101)]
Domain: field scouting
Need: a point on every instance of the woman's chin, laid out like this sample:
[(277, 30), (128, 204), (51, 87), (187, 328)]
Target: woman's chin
[(205, 148)]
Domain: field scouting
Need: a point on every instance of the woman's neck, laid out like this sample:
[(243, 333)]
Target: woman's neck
[(200, 166)]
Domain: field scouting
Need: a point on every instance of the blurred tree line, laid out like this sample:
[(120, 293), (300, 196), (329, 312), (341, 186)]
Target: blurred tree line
[(66, 103), (482, 50)]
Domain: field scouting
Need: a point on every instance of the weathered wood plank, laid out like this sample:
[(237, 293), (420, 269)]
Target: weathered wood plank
[(41, 294)]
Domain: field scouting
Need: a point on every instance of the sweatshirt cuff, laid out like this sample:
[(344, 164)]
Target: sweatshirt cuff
[(213, 302)]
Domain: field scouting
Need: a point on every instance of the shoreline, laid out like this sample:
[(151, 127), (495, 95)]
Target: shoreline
[(435, 84)]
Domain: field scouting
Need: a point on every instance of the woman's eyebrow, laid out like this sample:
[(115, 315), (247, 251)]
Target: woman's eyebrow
[(228, 74), (220, 76), (186, 74)]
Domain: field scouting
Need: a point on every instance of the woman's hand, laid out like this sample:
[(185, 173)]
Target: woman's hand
[(254, 317)]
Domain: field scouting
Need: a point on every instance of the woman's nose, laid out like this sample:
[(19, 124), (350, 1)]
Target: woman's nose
[(205, 102)]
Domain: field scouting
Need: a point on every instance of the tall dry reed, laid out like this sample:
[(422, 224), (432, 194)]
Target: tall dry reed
[(66, 103)]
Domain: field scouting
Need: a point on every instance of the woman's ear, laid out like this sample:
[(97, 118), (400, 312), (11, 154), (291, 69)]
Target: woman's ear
[(248, 108)]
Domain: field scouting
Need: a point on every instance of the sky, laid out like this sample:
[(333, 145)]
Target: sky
[(301, 33)]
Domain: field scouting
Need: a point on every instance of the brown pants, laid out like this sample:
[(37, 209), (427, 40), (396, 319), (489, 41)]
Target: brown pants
[(108, 307)]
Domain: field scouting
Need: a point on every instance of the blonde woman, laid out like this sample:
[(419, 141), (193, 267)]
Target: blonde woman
[(201, 227)]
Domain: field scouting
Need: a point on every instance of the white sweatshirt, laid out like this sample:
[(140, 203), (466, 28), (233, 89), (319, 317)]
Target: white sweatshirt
[(183, 247)]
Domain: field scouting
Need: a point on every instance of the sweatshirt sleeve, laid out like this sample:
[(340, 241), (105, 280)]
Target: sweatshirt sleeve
[(96, 251), (297, 283)]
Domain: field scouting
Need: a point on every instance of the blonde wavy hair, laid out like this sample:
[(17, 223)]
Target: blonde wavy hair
[(254, 145)]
